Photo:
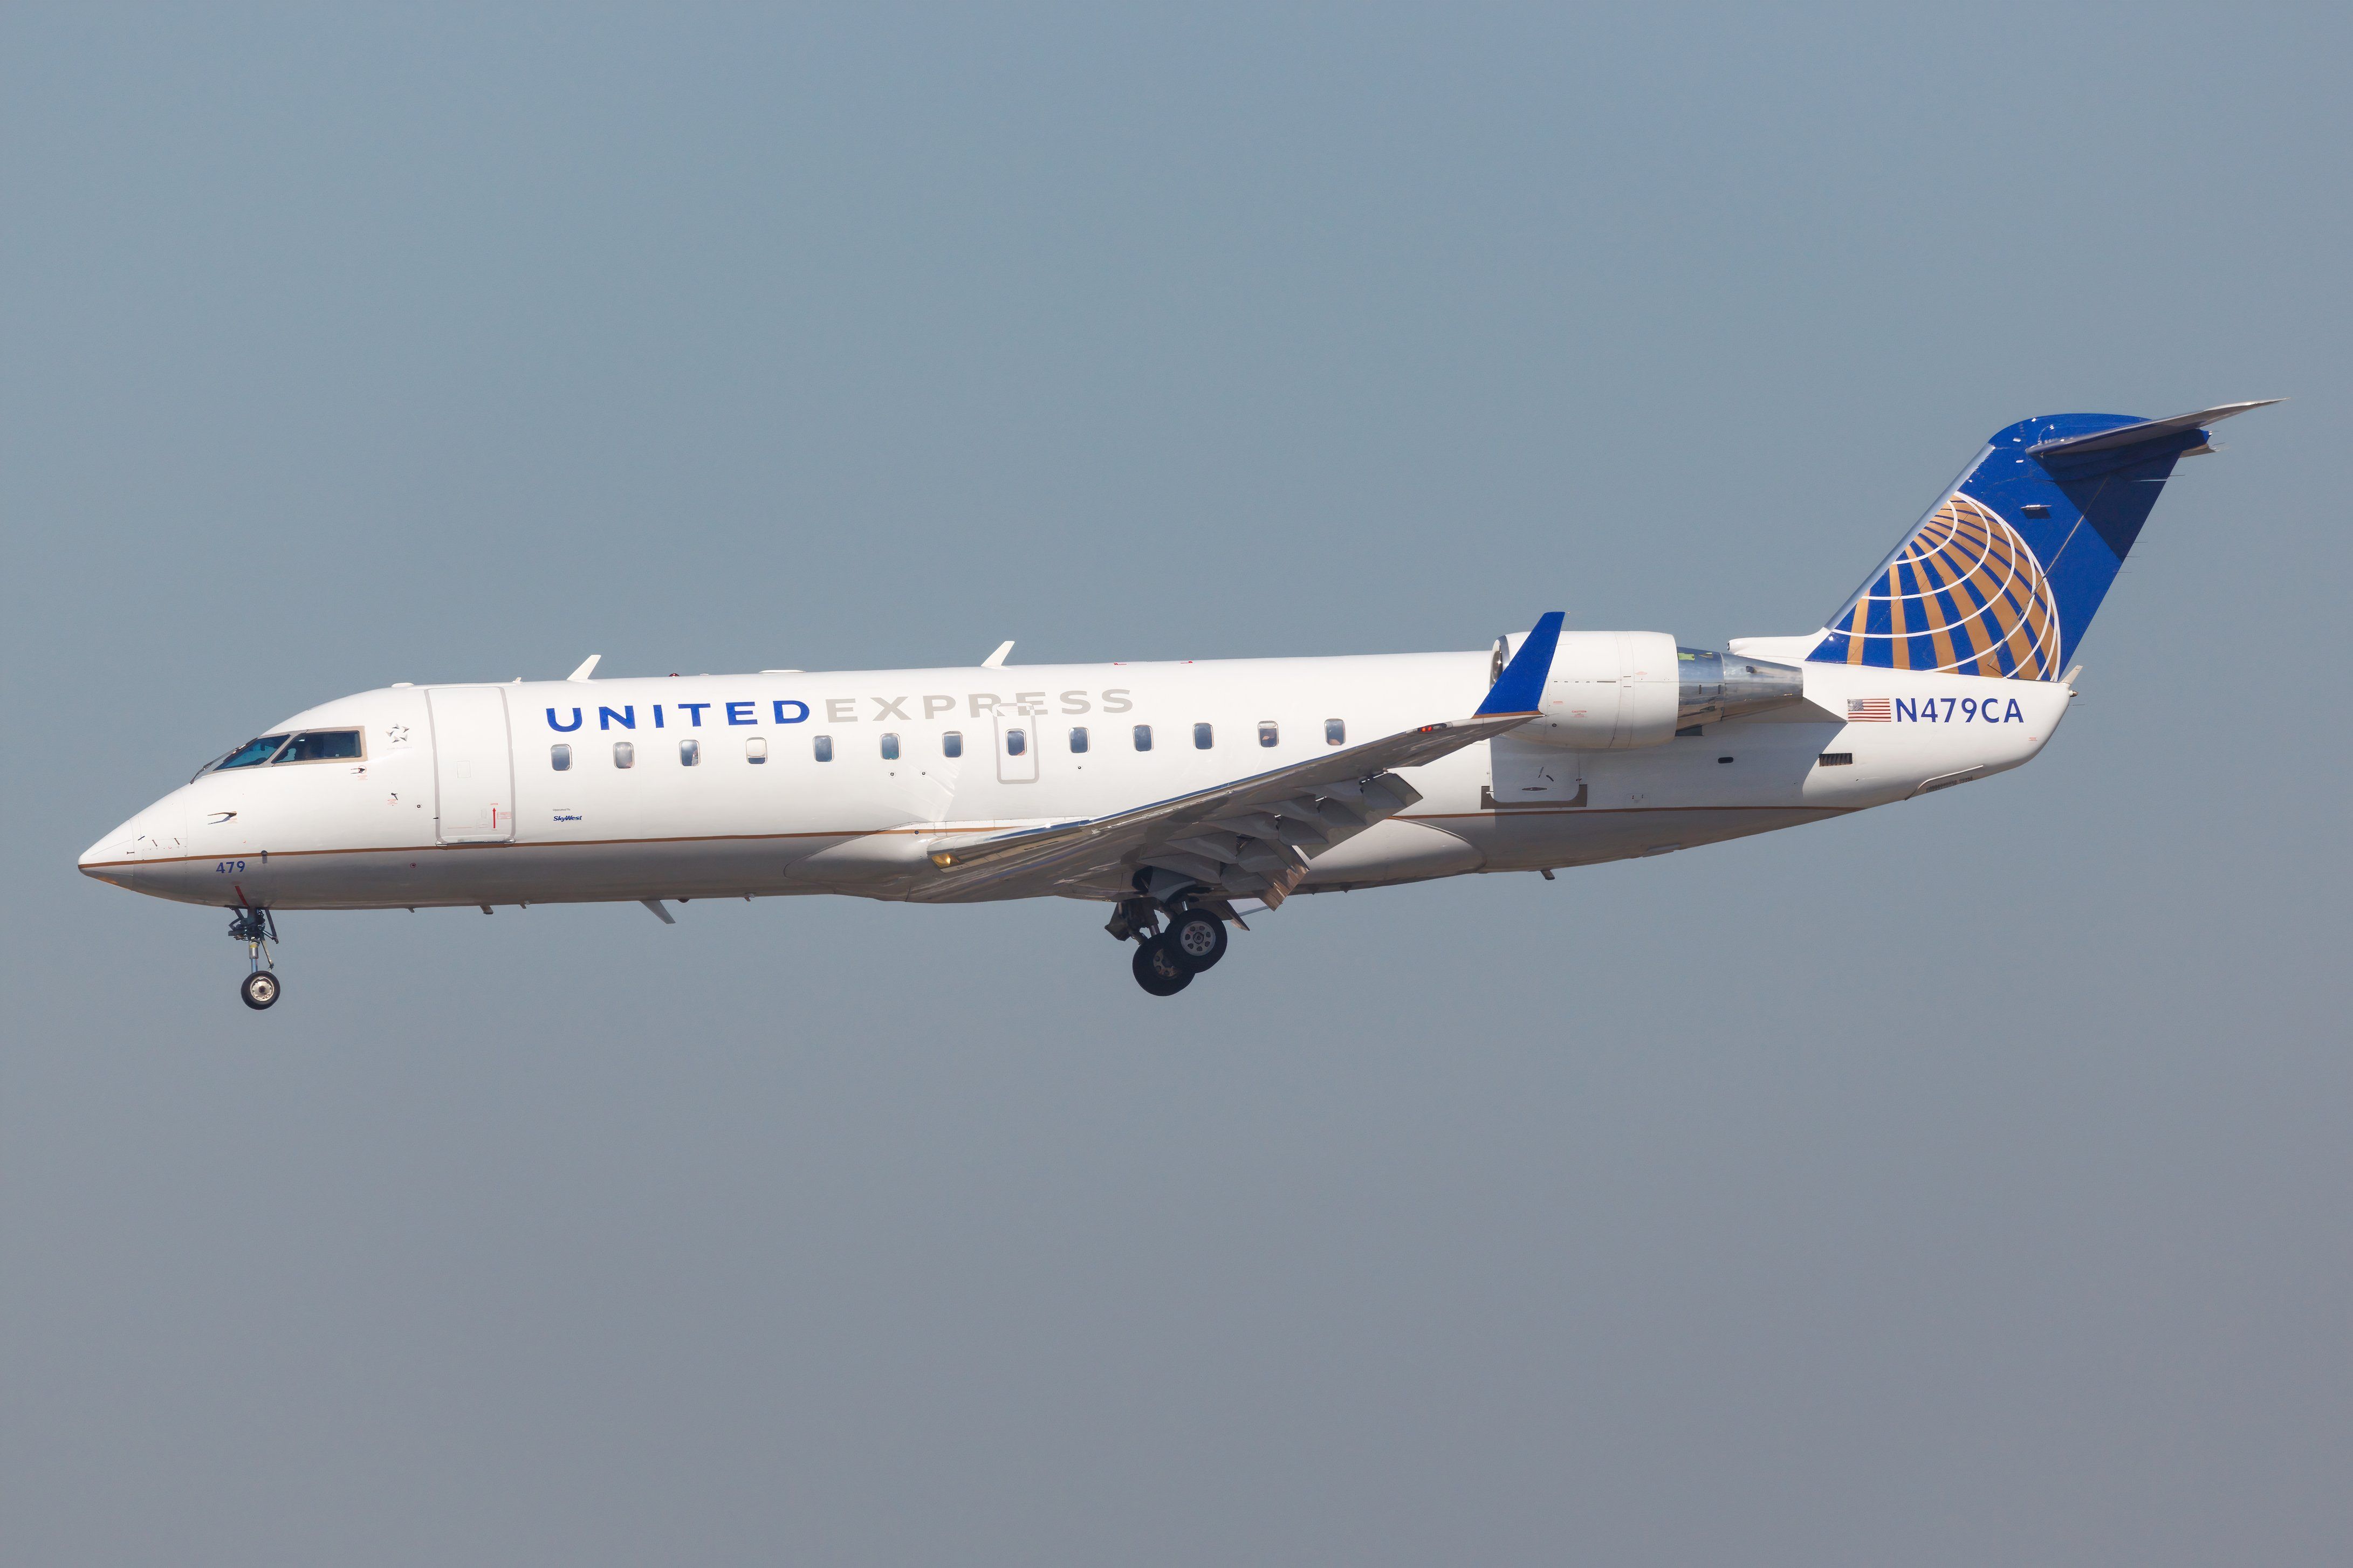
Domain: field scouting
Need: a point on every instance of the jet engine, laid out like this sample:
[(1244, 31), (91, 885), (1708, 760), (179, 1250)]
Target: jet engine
[(1613, 691)]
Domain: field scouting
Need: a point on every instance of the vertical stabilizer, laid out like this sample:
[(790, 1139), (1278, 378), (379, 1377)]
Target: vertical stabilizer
[(2004, 573)]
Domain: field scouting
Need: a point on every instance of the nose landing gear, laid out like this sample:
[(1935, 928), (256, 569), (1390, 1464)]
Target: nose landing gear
[(256, 929)]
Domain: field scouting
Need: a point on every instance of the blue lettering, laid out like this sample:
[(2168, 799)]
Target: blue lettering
[(1928, 709), (784, 703), (553, 725), (1907, 709), (627, 718), (696, 708), (658, 724), (740, 713), (1969, 708), (2013, 714), (1949, 710)]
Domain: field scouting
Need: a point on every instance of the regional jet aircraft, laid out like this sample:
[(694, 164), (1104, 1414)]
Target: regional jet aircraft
[(1186, 796)]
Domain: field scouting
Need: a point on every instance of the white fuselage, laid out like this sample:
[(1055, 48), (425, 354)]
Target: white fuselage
[(455, 797)]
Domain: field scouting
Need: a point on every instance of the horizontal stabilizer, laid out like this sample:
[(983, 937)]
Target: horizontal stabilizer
[(2146, 430)]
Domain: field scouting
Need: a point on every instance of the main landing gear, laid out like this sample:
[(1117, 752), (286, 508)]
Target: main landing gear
[(254, 927), (1167, 961)]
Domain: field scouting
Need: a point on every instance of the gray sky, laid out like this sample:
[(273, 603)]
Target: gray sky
[(1965, 1182)]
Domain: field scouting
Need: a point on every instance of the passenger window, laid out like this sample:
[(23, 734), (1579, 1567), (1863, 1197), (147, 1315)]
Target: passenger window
[(253, 753), (1143, 737), (1202, 738), (625, 754), (756, 748), (1015, 743), (890, 748), (321, 746), (1335, 733), (689, 752), (823, 746), (952, 744), (559, 757), (1267, 734), (1079, 738)]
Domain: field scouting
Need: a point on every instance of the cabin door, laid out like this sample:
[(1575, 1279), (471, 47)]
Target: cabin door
[(473, 765), (1016, 744)]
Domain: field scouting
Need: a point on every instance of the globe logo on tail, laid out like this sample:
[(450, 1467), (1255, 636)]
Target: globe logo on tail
[(1963, 594)]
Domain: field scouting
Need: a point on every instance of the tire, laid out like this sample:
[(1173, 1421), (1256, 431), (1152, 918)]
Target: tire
[(1199, 938), (259, 989), (1160, 969)]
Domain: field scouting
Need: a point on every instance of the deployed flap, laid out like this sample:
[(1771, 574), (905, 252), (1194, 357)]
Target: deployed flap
[(1252, 838)]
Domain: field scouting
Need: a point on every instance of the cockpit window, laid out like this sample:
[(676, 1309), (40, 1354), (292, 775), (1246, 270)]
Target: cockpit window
[(321, 746), (253, 753)]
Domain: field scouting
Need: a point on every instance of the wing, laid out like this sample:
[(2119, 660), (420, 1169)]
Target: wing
[(1249, 839), (1253, 837)]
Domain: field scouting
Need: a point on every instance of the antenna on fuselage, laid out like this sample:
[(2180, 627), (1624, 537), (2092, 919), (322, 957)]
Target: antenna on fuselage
[(588, 667)]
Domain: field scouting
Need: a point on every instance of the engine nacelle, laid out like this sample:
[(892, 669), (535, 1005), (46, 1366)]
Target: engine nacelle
[(1609, 691), (1714, 687)]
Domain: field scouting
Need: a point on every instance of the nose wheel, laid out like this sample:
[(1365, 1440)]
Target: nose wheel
[(256, 929)]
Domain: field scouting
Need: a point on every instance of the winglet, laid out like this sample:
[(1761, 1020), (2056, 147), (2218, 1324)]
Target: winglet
[(587, 667), (1520, 686), (997, 659)]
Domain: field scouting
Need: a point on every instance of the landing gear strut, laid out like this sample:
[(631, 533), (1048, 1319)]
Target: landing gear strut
[(255, 928), (1167, 961)]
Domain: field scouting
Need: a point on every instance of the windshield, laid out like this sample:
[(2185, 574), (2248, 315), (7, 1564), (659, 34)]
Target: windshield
[(252, 754), (310, 746)]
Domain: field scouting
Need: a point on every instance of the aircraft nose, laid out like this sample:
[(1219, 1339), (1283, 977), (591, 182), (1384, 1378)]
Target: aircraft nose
[(109, 859), (153, 834)]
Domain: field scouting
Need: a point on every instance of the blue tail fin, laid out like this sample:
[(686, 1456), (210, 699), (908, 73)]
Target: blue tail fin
[(2003, 574)]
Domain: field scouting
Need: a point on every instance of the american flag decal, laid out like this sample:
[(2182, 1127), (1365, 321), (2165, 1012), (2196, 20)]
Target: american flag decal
[(1868, 710)]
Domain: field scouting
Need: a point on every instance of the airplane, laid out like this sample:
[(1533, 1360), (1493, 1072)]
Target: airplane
[(1187, 796)]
